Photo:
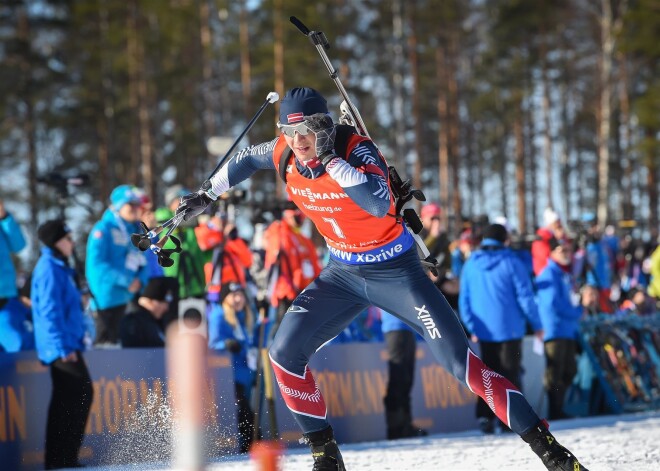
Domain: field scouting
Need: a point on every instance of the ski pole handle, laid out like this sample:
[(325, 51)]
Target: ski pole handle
[(272, 97)]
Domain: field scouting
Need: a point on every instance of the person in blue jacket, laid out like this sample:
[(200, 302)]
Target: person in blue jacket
[(15, 331), (560, 319), (591, 265), (116, 270), (496, 301), (232, 327), (59, 330), (11, 242), (401, 344)]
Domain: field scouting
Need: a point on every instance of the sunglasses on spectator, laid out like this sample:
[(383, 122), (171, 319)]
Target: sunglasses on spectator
[(291, 129)]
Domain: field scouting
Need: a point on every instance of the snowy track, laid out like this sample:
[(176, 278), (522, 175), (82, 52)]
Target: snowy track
[(627, 442), (608, 443)]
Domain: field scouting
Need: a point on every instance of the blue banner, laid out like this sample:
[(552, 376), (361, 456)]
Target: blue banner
[(130, 420)]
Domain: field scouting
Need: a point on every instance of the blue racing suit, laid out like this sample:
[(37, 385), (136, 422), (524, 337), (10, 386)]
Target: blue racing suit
[(386, 273)]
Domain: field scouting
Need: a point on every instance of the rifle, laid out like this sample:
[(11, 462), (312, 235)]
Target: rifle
[(402, 190)]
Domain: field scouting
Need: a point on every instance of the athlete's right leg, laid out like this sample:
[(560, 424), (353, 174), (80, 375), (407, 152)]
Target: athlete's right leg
[(401, 287), (317, 315)]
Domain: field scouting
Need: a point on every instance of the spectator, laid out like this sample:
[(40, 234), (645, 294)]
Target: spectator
[(59, 330), (15, 328), (589, 300), (142, 326), (11, 242), (592, 264), (231, 259), (116, 270), (367, 326), (291, 261), (636, 267), (434, 235), (559, 317), (552, 228), (654, 284), (612, 244), (188, 267), (437, 241), (496, 300), (232, 326), (147, 215), (462, 248), (639, 303), (401, 344)]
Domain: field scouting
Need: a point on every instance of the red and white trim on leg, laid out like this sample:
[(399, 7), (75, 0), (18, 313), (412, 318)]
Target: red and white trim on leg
[(492, 387), (300, 393)]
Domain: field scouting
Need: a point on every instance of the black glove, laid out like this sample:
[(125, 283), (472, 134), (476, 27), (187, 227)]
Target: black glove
[(324, 129), (232, 345), (194, 204)]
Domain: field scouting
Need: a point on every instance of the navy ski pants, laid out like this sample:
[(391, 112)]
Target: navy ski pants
[(399, 286)]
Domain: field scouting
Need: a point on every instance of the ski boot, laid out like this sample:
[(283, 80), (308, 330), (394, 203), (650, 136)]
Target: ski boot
[(324, 450), (486, 425), (554, 456)]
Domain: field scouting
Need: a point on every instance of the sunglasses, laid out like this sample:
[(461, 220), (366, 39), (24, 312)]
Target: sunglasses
[(291, 129)]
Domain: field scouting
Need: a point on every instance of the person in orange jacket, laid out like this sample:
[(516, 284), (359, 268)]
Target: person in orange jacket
[(231, 258), (290, 259)]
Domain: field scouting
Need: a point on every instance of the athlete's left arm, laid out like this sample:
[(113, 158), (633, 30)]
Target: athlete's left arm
[(363, 176)]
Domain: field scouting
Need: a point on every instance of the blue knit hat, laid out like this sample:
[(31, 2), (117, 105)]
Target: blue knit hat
[(124, 194), (299, 102)]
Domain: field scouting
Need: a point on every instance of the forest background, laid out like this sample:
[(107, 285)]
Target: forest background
[(497, 107)]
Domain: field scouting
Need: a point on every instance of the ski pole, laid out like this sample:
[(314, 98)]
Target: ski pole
[(320, 41), (403, 191), (143, 240)]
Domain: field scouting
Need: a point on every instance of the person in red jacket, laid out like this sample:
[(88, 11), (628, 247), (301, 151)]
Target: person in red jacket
[(552, 229), (291, 261), (231, 257)]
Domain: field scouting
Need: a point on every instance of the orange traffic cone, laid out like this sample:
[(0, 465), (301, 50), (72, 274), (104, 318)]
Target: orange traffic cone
[(266, 455)]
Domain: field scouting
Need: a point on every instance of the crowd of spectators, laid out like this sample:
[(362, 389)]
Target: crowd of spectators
[(501, 284)]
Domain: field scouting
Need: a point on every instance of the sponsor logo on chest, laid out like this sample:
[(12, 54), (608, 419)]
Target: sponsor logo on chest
[(317, 196), (370, 257)]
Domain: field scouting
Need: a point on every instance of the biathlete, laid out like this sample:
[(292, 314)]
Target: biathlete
[(340, 181)]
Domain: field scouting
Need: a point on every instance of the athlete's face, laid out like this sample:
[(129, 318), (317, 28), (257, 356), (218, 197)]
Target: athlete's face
[(304, 147)]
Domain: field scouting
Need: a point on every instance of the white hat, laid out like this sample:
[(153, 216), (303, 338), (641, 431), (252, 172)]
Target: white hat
[(549, 217), (503, 221)]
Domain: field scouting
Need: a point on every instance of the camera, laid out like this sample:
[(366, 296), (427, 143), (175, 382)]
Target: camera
[(61, 182), (234, 196)]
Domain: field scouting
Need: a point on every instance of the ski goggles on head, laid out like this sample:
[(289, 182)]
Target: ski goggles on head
[(291, 129)]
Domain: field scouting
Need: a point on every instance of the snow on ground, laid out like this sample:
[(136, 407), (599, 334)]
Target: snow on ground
[(604, 443)]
